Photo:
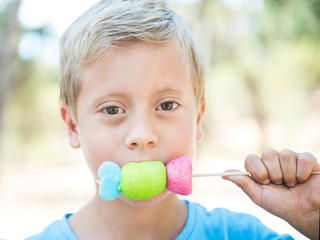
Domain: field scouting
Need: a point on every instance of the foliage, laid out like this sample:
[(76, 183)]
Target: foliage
[(263, 73), (263, 81)]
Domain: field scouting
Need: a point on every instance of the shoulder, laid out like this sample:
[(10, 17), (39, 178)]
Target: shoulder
[(59, 229), (221, 223)]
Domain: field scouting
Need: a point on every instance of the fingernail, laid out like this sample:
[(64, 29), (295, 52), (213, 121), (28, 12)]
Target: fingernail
[(265, 182), (278, 183), (291, 184)]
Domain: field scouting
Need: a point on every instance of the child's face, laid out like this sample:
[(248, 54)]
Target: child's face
[(136, 104)]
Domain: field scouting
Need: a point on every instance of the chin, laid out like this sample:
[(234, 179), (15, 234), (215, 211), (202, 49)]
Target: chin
[(147, 202)]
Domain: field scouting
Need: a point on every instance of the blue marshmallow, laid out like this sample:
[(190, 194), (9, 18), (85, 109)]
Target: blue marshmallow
[(109, 174)]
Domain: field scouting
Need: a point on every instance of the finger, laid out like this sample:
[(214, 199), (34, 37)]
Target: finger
[(306, 163), (257, 169), (248, 185), (288, 162), (270, 158)]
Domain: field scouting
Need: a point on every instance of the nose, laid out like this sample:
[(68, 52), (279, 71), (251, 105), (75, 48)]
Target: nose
[(141, 134)]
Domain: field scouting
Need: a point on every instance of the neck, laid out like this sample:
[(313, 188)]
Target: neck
[(121, 220)]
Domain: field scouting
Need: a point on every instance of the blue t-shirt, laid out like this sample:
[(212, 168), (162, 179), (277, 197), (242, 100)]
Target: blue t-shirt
[(219, 224)]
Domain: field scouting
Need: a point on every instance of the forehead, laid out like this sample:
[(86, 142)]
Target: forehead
[(115, 52), (139, 61)]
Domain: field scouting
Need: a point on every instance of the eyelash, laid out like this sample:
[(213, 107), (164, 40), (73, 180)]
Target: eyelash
[(115, 109), (171, 104)]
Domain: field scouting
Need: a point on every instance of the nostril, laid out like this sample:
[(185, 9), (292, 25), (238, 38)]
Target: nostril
[(133, 145), (141, 135), (150, 141), (141, 144)]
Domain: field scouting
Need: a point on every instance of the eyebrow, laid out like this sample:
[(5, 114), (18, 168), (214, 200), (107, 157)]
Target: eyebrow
[(112, 94), (124, 95), (169, 90)]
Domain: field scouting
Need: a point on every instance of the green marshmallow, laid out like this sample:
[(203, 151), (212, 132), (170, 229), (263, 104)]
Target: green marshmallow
[(143, 180)]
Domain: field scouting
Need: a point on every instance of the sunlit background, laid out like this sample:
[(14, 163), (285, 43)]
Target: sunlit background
[(263, 78)]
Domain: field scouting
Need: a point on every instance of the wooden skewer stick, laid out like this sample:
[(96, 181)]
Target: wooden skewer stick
[(231, 174), (220, 174)]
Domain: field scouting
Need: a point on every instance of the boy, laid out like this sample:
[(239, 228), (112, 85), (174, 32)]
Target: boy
[(132, 90)]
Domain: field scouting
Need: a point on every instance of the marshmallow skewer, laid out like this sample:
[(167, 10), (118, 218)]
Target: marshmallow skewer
[(144, 180), (220, 174), (232, 174)]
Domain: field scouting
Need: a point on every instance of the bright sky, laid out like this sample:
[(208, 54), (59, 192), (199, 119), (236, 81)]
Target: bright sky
[(59, 13)]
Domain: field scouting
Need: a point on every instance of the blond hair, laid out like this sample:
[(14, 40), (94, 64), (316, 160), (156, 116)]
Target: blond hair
[(120, 22)]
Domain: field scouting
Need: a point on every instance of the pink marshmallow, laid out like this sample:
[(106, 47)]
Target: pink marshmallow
[(179, 175)]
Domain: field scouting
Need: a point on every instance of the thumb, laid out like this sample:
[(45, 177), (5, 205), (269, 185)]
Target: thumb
[(247, 184)]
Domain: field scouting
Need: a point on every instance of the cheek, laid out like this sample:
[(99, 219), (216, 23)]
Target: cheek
[(181, 140), (98, 146)]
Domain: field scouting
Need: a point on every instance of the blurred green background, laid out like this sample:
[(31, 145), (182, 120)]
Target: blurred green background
[(263, 91)]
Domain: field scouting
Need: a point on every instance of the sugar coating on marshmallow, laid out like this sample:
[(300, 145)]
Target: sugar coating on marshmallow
[(143, 180), (109, 174), (179, 175)]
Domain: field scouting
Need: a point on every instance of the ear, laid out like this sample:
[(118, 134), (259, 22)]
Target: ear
[(73, 133), (201, 112)]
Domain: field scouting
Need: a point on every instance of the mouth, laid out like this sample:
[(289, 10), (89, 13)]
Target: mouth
[(165, 162)]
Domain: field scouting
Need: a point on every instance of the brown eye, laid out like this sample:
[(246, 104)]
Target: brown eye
[(112, 110), (167, 106)]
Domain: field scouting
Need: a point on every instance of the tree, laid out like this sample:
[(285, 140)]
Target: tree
[(9, 39)]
